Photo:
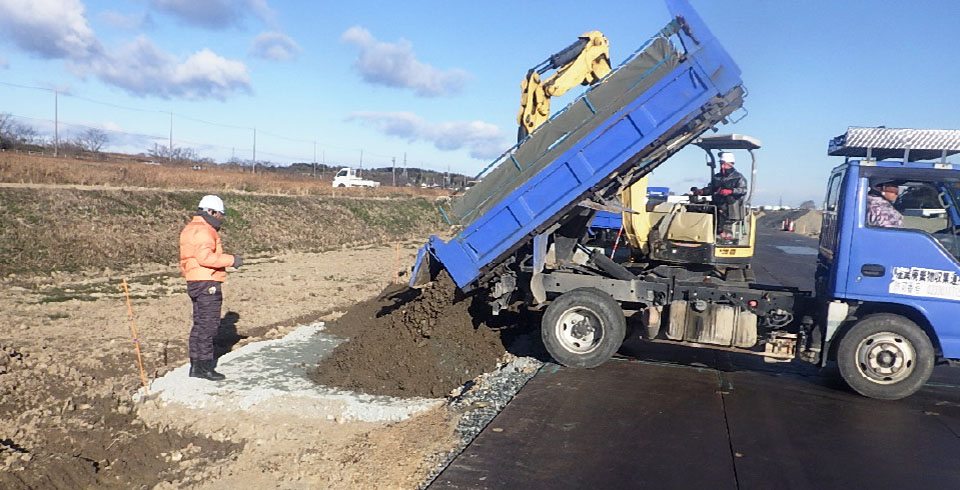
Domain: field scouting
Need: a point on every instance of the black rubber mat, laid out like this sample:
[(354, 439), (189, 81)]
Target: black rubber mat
[(648, 424), (622, 425)]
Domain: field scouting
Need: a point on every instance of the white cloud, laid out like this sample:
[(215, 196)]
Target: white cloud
[(58, 29), (482, 140), (129, 22), (48, 28), (215, 14), (142, 69), (273, 46), (395, 65), (4, 64)]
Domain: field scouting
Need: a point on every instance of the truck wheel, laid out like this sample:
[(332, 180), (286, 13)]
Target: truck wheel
[(341, 185), (885, 356), (583, 328)]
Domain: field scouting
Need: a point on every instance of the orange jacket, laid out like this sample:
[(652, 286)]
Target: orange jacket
[(201, 255)]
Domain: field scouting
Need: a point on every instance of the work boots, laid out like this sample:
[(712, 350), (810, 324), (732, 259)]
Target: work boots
[(203, 368)]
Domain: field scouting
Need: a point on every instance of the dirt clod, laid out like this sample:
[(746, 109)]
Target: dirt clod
[(410, 342)]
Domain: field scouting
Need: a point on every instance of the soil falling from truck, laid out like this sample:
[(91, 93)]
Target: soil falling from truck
[(411, 342)]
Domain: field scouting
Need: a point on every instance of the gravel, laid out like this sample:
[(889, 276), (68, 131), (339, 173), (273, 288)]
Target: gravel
[(481, 401)]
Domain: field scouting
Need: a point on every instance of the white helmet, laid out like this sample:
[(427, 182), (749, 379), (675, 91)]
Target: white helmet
[(727, 157), (212, 202)]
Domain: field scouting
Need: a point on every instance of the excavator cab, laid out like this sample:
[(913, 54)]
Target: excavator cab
[(693, 232)]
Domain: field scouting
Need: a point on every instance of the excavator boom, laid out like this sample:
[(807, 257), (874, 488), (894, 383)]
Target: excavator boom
[(584, 62)]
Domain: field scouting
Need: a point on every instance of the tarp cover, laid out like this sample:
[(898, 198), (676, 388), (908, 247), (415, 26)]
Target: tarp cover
[(565, 129)]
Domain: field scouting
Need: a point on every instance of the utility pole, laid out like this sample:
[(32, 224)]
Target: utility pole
[(254, 151), (361, 161), (404, 165), (393, 170), (170, 148), (323, 156), (314, 158), (56, 122)]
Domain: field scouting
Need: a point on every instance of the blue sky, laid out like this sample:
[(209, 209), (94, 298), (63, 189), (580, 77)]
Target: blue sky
[(439, 81)]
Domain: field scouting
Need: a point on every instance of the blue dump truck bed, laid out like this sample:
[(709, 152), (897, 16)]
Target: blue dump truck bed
[(679, 84)]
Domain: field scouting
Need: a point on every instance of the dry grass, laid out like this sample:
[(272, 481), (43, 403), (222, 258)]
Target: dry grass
[(33, 169), (43, 230)]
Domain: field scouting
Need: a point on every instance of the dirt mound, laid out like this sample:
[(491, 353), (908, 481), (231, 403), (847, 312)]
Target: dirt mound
[(409, 342), (805, 221)]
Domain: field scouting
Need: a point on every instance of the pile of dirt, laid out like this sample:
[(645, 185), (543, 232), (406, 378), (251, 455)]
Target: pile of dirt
[(409, 342), (68, 370), (805, 221)]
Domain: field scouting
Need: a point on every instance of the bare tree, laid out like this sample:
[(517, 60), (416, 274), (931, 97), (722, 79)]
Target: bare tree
[(6, 121), (11, 130), (92, 140), (177, 154), (21, 134)]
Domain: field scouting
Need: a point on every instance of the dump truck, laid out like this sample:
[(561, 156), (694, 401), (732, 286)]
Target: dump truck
[(883, 315)]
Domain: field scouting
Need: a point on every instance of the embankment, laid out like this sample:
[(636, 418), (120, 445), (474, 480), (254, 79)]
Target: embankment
[(71, 229)]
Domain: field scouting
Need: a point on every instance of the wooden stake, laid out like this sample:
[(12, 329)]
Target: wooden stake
[(136, 340), (396, 278)]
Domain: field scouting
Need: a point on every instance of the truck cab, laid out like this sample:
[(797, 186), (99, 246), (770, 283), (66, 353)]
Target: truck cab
[(891, 286)]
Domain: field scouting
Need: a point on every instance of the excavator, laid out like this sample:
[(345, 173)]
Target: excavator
[(684, 233), (584, 62)]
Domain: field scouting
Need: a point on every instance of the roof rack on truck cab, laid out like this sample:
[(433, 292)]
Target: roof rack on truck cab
[(883, 143)]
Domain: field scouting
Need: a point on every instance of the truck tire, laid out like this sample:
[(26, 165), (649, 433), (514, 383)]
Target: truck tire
[(583, 328), (341, 185), (885, 356)]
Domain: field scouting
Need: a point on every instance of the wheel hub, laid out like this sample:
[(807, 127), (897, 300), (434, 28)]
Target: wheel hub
[(886, 358), (579, 330), (582, 329)]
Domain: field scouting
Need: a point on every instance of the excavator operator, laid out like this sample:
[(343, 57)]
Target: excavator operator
[(727, 189)]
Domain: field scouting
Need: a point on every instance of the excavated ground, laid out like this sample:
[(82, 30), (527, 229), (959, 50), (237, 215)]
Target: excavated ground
[(413, 342)]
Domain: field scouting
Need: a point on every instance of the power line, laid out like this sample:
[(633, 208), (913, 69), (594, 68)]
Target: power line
[(117, 106), (386, 158), (26, 86), (229, 126)]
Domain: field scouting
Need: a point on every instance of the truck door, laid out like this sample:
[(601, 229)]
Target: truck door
[(910, 255), (829, 233)]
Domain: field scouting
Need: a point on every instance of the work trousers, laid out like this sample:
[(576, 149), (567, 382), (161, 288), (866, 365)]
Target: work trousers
[(207, 298)]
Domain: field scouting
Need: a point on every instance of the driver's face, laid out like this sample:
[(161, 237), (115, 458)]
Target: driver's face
[(890, 193)]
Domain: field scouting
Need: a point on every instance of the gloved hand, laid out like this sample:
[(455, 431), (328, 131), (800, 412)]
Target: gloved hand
[(237, 261), (725, 192)]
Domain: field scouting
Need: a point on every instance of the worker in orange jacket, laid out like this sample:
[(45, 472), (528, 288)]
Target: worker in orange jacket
[(203, 264)]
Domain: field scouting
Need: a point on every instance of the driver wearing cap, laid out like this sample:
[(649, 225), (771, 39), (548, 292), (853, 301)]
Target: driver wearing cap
[(880, 210)]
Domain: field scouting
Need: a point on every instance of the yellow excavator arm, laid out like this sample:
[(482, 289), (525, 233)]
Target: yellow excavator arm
[(584, 62)]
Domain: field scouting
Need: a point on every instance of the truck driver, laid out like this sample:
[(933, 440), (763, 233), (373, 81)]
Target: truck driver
[(880, 210)]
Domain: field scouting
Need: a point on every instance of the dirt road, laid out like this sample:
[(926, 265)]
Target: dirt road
[(67, 373)]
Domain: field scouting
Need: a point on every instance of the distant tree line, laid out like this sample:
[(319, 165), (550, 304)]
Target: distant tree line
[(91, 142), (15, 135)]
